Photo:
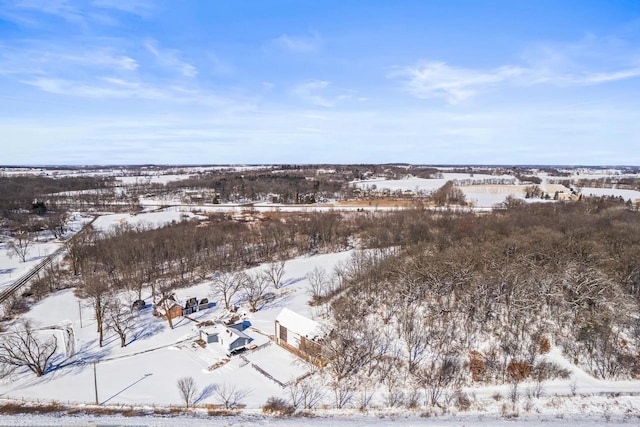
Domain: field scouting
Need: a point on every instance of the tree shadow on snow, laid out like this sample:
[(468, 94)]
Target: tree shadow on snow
[(291, 281), (148, 327), (206, 393), (277, 303), (77, 362)]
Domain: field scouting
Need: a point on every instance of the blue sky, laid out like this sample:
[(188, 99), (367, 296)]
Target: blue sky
[(218, 82)]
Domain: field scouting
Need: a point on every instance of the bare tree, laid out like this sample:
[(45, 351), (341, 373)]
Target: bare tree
[(95, 287), (188, 390), (275, 272), (230, 395), (226, 286), (343, 392), (23, 348), (166, 300), (120, 319), (442, 374), (413, 332), (56, 222), (305, 394), (20, 245), (255, 290), (318, 280)]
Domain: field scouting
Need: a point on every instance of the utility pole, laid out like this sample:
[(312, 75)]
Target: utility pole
[(95, 382), (80, 311)]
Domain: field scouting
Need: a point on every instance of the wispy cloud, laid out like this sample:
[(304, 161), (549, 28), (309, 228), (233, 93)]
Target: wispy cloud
[(314, 92), (439, 80), (298, 44), (108, 87), (64, 9), (33, 13), (26, 59), (170, 59), (142, 8), (592, 61), (118, 88)]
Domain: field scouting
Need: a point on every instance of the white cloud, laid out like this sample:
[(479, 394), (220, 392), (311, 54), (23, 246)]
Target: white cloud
[(107, 88), (170, 58), (298, 44), (454, 84), (142, 8), (590, 61), (61, 8), (314, 92), (439, 80), (166, 95)]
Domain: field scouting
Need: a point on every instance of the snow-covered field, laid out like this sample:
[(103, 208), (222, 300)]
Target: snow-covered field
[(12, 267), (429, 185), (146, 219), (615, 192)]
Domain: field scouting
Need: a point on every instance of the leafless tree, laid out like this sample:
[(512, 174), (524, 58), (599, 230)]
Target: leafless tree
[(95, 287), (343, 392), (56, 222), (188, 390), (23, 348), (120, 319), (230, 395), (413, 332), (20, 245), (441, 374), (226, 286), (275, 273), (305, 394), (318, 280), (166, 299), (255, 290)]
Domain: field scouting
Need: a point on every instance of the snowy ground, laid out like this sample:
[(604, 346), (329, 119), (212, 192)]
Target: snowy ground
[(144, 373), (148, 219), (428, 185), (582, 411), (146, 370), (615, 192), (12, 268)]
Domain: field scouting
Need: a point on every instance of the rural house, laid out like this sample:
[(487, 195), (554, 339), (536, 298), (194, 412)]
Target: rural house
[(229, 337)]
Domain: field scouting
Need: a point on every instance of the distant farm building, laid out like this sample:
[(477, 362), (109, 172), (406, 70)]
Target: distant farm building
[(172, 307)]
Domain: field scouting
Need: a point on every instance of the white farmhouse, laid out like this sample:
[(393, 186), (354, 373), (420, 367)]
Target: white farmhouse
[(229, 337)]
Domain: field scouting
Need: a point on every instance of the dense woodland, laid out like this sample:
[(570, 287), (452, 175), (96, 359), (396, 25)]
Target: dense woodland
[(480, 298)]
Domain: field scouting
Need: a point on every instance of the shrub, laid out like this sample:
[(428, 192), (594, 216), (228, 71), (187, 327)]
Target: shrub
[(544, 345), (477, 366), (278, 406), (519, 370), (462, 401)]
